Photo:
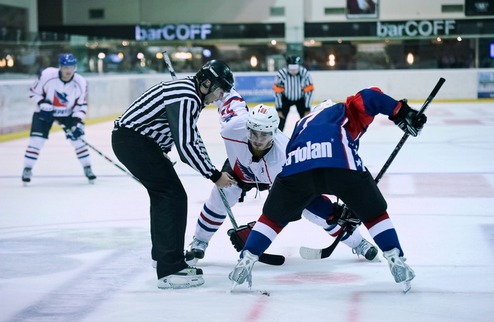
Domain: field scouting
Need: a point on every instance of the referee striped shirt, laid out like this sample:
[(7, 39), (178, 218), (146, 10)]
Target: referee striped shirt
[(293, 87), (168, 113)]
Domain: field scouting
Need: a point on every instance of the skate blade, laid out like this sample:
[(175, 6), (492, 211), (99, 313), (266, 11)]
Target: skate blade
[(406, 286), (234, 284), (91, 181), (376, 259)]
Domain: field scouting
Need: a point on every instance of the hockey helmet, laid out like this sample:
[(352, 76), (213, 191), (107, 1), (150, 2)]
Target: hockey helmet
[(293, 63), (67, 60), (218, 73), (293, 60), (263, 118)]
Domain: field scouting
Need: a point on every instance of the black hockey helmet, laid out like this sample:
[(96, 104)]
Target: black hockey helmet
[(218, 73), (293, 60)]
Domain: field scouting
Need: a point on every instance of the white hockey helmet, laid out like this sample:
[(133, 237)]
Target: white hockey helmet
[(263, 118)]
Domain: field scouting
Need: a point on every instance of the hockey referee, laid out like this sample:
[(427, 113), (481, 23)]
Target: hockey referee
[(166, 115), (293, 86)]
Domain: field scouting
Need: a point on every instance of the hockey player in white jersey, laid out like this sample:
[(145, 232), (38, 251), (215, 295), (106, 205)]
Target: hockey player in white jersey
[(256, 153), (60, 94)]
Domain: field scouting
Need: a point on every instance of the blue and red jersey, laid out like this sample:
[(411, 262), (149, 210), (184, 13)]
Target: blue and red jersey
[(329, 137)]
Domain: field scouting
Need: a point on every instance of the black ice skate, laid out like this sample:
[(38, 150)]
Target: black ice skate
[(88, 172), (26, 176)]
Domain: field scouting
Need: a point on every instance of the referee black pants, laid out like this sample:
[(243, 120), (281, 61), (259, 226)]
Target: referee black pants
[(168, 199), (286, 104)]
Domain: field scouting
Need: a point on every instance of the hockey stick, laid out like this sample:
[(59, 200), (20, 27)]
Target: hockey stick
[(168, 64), (270, 259), (228, 209), (311, 253), (69, 133), (347, 223), (264, 258), (406, 135)]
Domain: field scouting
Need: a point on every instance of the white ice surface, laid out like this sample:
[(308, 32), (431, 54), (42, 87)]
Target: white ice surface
[(70, 251)]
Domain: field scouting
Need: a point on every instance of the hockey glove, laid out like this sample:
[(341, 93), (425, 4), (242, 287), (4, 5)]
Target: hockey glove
[(407, 119), (76, 130), (348, 221), (238, 236), (45, 111), (344, 217), (336, 215)]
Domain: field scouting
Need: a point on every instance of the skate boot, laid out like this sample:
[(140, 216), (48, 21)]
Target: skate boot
[(88, 172), (243, 270), (365, 249), (401, 272), (188, 277), (26, 175), (197, 251)]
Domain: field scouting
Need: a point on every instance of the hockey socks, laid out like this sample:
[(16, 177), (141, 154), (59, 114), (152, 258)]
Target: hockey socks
[(383, 232)]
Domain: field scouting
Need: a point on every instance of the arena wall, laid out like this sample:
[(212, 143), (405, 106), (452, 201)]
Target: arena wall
[(109, 95)]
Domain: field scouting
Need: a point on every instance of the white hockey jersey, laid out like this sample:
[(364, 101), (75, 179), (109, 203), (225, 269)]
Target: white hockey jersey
[(233, 114), (67, 98), (232, 104)]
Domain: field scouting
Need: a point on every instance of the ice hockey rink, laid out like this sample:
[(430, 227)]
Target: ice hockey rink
[(71, 251)]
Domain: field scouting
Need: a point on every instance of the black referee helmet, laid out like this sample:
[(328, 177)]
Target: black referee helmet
[(218, 73), (293, 60)]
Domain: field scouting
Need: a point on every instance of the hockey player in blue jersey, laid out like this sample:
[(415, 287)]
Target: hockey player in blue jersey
[(322, 158), (256, 154)]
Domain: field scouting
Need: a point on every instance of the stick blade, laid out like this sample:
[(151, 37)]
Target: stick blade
[(272, 259), (310, 253)]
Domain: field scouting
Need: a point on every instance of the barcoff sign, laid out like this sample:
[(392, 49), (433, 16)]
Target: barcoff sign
[(173, 32), (416, 28)]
